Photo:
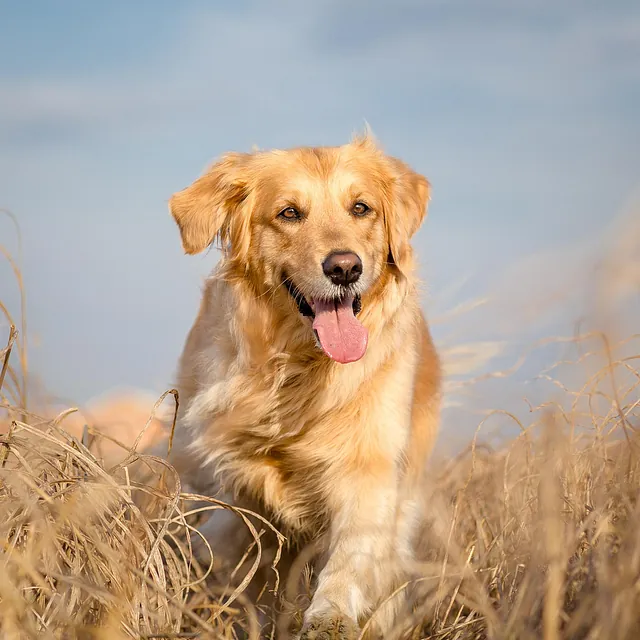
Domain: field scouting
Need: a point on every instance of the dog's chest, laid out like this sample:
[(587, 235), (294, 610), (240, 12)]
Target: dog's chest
[(296, 454), (285, 442)]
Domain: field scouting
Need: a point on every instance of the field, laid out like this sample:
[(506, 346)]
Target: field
[(535, 539)]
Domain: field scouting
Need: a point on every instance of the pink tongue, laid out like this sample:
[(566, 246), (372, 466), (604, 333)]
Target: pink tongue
[(342, 337)]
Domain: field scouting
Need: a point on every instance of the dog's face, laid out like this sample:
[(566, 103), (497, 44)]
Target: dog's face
[(316, 225)]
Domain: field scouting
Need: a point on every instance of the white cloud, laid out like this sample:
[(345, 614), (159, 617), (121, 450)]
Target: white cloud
[(279, 59)]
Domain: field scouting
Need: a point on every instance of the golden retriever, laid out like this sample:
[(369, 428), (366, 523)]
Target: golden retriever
[(309, 384)]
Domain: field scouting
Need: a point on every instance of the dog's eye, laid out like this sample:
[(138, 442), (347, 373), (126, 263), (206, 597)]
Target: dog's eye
[(290, 213), (360, 209)]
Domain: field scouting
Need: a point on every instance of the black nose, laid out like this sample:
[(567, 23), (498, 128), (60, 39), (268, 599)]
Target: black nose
[(342, 267)]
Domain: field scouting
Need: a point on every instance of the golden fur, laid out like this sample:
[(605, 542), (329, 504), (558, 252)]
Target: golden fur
[(266, 418)]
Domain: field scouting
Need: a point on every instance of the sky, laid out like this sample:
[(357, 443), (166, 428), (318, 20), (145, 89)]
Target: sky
[(524, 116)]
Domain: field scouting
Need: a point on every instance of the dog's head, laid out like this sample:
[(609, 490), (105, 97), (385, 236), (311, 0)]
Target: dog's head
[(319, 226)]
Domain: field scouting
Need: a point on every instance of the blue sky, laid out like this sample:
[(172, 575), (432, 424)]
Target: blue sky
[(524, 116)]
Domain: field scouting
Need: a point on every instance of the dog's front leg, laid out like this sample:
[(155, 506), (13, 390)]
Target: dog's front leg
[(362, 562)]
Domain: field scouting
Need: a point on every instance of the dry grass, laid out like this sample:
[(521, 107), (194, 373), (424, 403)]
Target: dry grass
[(538, 539)]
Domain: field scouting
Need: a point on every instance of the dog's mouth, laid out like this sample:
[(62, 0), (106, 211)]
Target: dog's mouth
[(307, 309), (339, 333)]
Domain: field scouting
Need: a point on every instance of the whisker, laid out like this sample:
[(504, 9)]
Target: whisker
[(312, 290), (288, 278)]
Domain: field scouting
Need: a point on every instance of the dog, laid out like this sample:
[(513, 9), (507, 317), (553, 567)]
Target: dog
[(309, 383)]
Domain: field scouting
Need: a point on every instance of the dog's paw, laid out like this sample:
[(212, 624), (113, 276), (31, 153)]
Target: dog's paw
[(329, 629)]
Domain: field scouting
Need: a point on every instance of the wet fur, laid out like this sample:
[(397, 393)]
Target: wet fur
[(270, 422)]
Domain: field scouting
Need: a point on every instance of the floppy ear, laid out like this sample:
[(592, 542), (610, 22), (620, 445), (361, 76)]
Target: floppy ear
[(208, 209), (408, 210)]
